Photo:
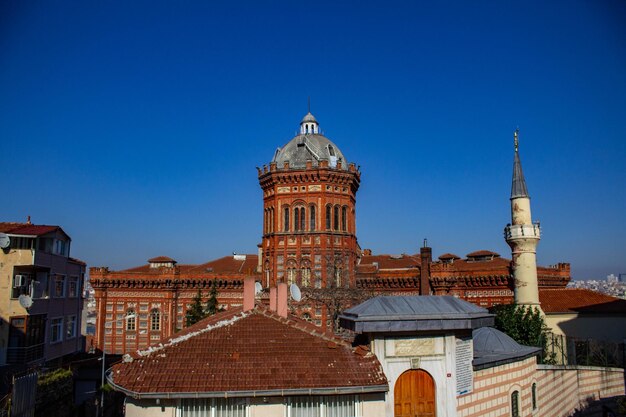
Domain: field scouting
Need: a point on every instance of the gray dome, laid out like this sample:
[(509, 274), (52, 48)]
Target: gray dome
[(311, 147), (493, 347)]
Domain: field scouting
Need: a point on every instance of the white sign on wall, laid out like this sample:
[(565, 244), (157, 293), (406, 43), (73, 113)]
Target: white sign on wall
[(464, 370)]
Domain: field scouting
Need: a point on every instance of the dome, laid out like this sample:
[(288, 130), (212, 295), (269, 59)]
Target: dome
[(309, 145)]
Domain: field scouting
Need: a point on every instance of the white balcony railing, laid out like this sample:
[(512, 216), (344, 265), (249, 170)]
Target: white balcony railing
[(513, 231)]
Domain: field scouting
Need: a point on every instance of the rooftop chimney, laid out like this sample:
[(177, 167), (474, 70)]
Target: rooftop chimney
[(248, 293), (426, 255)]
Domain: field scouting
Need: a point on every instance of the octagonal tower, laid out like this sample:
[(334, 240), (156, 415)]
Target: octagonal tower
[(309, 223)]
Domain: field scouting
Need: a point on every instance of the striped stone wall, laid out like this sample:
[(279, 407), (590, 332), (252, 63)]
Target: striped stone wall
[(493, 388), (559, 389)]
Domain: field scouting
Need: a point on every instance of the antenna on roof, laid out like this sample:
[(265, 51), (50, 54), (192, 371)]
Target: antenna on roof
[(425, 242)]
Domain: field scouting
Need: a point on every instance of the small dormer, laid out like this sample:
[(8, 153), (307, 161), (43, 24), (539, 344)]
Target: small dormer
[(482, 256), (162, 262), (309, 125), (448, 258)]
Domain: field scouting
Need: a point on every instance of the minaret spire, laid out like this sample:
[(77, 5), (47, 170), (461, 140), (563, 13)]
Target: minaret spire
[(518, 187), (522, 235)]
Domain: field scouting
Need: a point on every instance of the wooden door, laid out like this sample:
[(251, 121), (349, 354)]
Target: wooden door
[(414, 395)]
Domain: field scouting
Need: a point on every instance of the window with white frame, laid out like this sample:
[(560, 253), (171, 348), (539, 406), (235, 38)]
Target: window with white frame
[(72, 287), (131, 320), (155, 320), (56, 330), (323, 406), (213, 407), (21, 284), (59, 286), (70, 327)]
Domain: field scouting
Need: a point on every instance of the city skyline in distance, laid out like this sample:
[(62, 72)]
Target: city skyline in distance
[(137, 128)]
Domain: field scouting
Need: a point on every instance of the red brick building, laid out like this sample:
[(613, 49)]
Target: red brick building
[(308, 238)]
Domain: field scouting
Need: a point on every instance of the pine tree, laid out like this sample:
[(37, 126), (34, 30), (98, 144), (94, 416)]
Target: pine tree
[(211, 304), (195, 312)]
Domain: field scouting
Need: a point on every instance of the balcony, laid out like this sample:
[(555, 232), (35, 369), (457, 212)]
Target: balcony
[(25, 354), (520, 231)]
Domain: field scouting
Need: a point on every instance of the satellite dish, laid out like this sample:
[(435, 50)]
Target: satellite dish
[(295, 292), (257, 288), (4, 241), (25, 301)]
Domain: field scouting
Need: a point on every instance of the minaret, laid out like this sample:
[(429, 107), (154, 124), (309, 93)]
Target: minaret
[(522, 235)]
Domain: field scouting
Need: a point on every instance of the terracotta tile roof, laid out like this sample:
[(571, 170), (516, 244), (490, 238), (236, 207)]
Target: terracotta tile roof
[(392, 261), (447, 256), (161, 259), (480, 253), (257, 350), (229, 265), (579, 300), (225, 265), (26, 229), (496, 265)]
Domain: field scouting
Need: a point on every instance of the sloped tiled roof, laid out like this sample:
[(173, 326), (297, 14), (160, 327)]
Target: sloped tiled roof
[(392, 261), (480, 253), (236, 353), (26, 229), (225, 265), (449, 256), (161, 259), (579, 300)]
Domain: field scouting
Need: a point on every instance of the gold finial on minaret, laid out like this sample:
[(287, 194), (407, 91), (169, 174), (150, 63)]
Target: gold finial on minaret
[(515, 139)]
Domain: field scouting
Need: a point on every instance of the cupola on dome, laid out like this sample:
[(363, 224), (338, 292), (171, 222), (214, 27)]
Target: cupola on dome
[(309, 145)]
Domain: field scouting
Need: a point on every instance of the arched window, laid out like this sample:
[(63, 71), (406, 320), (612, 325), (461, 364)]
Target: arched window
[(312, 218), (155, 320), (291, 276), (515, 404), (296, 219), (306, 316), (533, 391), (328, 216), (338, 273), (336, 218), (344, 213), (286, 225), (331, 150), (306, 276), (302, 219), (131, 319)]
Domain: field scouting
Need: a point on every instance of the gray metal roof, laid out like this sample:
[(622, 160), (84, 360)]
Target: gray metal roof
[(493, 348), (415, 313), (309, 147), (308, 118), (518, 188)]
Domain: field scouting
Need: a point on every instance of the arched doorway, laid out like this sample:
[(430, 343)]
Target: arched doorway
[(414, 394)]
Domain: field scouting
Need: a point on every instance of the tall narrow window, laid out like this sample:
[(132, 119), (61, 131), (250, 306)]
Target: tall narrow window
[(291, 276), (155, 320), (328, 216), (302, 219), (338, 273), (336, 218), (306, 276), (131, 319), (534, 395), (515, 404), (344, 213), (312, 218), (296, 219), (286, 225), (271, 219)]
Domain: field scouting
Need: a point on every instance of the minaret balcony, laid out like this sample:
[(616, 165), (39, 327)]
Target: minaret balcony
[(520, 231)]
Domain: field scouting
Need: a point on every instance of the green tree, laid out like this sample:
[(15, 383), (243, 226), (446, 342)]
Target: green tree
[(195, 313), (523, 324), (211, 303)]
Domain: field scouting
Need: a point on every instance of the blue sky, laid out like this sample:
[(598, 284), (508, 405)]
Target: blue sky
[(137, 126)]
